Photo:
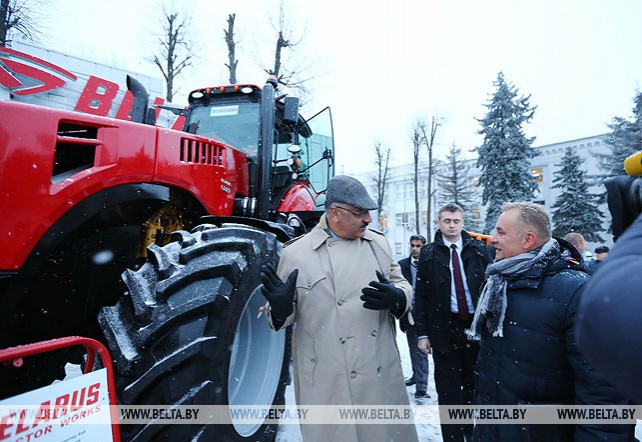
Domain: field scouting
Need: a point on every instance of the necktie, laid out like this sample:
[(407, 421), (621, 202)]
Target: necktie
[(462, 306)]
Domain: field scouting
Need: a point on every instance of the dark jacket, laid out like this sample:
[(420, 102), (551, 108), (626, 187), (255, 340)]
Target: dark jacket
[(405, 269), (610, 328), (537, 360), (432, 291), (404, 325), (592, 265)]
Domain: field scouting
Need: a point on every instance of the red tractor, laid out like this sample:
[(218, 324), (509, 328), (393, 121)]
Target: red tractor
[(186, 217)]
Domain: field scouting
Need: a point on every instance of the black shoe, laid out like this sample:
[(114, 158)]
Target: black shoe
[(409, 382), (419, 394)]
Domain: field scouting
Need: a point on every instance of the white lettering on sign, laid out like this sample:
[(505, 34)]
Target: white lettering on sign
[(222, 111)]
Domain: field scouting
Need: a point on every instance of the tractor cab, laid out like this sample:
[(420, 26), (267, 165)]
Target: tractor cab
[(290, 160)]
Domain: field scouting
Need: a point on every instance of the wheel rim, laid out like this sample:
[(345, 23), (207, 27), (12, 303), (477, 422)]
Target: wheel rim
[(255, 363)]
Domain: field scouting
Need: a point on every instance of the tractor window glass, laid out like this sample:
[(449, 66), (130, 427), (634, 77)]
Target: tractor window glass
[(236, 124), (317, 149)]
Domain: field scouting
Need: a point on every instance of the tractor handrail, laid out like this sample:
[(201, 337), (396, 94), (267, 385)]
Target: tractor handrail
[(15, 355)]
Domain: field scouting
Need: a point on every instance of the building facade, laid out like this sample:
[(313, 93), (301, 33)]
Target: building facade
[(398, 216)]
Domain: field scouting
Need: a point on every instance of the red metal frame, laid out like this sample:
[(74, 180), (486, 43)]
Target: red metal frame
[(15, 355)]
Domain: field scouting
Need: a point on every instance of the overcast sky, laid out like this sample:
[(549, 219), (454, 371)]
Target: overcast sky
[(381, 65)]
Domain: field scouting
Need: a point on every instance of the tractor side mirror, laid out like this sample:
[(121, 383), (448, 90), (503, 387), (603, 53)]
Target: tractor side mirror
[(291, 110)]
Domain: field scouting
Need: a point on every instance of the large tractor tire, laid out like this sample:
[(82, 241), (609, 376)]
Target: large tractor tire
[(187, 332)]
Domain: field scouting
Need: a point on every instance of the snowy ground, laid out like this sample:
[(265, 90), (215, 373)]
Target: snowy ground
[(426, 432)]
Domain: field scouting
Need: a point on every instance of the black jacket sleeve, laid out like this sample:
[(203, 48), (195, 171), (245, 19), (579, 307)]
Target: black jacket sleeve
[(421, 296), (591, 388), (609, 331), (404, 323)]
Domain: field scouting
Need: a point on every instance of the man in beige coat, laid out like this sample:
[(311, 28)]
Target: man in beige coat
[(342, 288)]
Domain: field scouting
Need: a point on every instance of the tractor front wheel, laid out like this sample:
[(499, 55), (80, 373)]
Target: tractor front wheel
[(187, 333)]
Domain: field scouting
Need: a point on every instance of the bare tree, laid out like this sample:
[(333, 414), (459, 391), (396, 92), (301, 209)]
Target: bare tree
[(17, 17), (175, 49), (231, 48), (382, 158), (428, 136), (289, 75), (455, 186), (417, 141)]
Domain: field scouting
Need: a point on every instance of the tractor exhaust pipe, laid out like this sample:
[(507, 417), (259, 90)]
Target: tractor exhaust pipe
[(141, 100)]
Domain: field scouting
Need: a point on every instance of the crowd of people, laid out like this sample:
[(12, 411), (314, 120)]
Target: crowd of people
[(499, 320)]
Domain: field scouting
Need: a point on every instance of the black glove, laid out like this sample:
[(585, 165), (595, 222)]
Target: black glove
[(279, 294), (383, 295)]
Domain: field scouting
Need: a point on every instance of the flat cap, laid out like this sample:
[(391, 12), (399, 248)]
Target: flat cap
[(602, 249), (348, 190)]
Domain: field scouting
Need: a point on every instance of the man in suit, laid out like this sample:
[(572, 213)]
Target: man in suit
[(418, 358), (449, 278)]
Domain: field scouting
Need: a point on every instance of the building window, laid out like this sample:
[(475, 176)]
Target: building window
[(538, 174), (403, 219), (423, 188), (399, 191), (408, 190), (398, 248)]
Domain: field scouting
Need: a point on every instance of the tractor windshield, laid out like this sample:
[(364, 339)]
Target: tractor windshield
[(236, 124)]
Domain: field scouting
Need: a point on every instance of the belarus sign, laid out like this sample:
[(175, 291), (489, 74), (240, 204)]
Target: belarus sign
[(75, 409), (36, 75)]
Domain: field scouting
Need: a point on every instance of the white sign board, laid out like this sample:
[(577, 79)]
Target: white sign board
[(224, 111), (73, 410)]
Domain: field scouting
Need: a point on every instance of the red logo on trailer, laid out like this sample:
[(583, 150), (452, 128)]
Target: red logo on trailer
[(24, 74)]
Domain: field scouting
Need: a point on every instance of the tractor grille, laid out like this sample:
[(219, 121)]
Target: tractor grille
[(201, 152)]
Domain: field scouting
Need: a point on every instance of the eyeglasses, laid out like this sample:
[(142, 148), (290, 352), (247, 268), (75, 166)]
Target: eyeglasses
[(358, 213)]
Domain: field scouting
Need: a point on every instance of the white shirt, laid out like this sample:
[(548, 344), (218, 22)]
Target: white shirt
[(453, 293)]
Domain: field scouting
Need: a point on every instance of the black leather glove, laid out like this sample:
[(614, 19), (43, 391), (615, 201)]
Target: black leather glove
[(383, 295), (279, 294)]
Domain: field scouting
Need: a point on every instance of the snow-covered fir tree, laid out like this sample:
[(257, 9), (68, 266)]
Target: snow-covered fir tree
[(504, 157), (624, 139), (575, 209), (454, 183)]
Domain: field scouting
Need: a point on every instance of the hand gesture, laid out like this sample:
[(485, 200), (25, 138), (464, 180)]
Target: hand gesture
[(424, 346), (383, 295), (279, 294)]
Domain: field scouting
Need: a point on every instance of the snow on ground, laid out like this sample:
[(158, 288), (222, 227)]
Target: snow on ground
[(426, 432)]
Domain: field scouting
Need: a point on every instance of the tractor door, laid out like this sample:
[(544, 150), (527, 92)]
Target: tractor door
[(317, 151), (303, 156)]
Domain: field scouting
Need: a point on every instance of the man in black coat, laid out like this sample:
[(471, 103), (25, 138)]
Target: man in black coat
[(449, 277), (418, 358), (600, 253), (526, 319)]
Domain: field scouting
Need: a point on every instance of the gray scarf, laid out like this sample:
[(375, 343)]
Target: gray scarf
[(491, 308)]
